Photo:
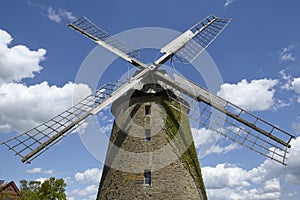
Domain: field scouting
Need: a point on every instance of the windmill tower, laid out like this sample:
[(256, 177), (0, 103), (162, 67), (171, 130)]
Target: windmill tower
[(151, 115)]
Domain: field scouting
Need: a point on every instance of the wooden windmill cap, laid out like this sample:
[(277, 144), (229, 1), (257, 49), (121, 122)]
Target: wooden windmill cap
[(151, 92)]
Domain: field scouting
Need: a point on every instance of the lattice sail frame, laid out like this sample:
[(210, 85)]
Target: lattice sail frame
[(87, 28), (34, 142), (196, 39), (218, 115), (91, 30)]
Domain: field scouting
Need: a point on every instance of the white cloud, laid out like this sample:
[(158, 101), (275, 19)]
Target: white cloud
[(34, 170), (296, 86), (23, 107), (202, 136), (59, 15), (286, 80), (224, 175), (224, 149), (228, 2), (257, 95), (89, 175), (209, 142), (42, 180), (55, 15), (239, 193), (286, 55), (87, 193), (19, 61), (39, 170), (226, 181), (272, 185), (269, 169)]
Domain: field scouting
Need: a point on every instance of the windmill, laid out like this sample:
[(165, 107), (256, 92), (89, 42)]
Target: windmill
[(151, 99)]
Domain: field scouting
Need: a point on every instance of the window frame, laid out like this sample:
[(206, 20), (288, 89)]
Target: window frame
[(148, 135), (147, 177), (147, 110)]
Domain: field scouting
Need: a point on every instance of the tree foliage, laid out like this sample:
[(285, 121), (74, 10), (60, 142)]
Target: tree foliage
[(51, 189)]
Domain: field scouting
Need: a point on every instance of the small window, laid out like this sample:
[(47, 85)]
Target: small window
[(147, 177), (147, 110), (148, 135)]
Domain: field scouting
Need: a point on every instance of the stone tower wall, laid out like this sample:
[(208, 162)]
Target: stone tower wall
[(175, 172)]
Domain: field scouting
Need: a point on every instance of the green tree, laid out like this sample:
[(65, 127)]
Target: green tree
[(51, 189), (29, 190)]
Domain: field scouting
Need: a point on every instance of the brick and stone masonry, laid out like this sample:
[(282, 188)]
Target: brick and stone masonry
[(151, 154)]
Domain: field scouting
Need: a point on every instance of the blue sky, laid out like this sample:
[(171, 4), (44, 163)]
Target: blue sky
[(257, 56)]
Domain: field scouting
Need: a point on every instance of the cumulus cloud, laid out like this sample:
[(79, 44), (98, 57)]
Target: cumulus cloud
[(289, 83), (59, 15), (87, 193), (272, 185), (89, 175), (18, 62), (224, 175), (296, 86), (286, 55), (217, 149), (208, 142), (23, 107), (39, 170), (268, 170), (227, 181), (257, 95), (238, 194)]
